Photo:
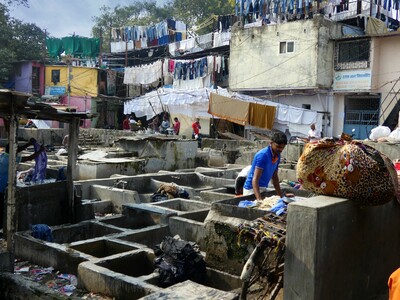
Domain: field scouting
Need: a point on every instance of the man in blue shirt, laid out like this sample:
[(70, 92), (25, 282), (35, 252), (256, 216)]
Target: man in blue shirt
[(265, 167), (4, 162)]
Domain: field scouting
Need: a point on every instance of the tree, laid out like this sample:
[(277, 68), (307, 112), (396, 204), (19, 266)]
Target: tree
[(19, 41), (197, 12), (5, 52), (14, 2), (28, 41)]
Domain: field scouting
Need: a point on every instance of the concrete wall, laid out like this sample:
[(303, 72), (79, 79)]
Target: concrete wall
[(42, 204), (52, 136), (93, 170), (338, 115), (385, 71), (82, 104), (255, 54), (336, 250)]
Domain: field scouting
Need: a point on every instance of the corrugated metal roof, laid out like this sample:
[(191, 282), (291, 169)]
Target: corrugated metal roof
[(20, 104)]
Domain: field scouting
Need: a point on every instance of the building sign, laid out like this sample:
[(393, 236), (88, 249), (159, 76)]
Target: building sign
[(55, 90), (352, 80)]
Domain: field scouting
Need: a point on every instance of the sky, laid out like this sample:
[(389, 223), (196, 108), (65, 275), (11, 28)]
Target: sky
[(64, 17)]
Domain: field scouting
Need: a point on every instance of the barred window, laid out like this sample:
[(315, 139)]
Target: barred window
[(354, 51)]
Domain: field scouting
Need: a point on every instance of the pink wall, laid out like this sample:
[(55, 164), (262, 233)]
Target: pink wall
[(83, 104)]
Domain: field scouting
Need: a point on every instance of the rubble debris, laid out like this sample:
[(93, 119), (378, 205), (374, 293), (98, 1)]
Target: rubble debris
[(64, 284)]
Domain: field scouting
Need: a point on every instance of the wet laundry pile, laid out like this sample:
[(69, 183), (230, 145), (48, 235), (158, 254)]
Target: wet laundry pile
[(274, 204), (264, 204), (169, 191), (178, 260)]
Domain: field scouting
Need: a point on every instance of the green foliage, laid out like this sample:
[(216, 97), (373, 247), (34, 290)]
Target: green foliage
[(197, 12), (19, 41), (14, 2), (28, 41)]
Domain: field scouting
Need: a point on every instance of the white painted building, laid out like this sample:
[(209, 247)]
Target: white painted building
[(289, 63)]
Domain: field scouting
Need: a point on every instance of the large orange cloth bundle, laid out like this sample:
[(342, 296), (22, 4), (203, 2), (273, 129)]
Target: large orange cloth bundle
[(347, 169)]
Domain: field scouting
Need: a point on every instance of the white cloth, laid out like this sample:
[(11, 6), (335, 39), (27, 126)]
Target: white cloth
[(251, 191), (245, 171), (144, 74)]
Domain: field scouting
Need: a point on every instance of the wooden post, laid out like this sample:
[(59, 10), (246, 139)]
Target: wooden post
[(101, 46), (71, 168), (214, 80), (370, 7), (126, 52), (12, 219), (162, 72)]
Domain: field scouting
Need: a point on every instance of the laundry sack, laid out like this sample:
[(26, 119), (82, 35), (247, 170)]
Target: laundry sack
[(394, 136), (379, 132), (347, 169)]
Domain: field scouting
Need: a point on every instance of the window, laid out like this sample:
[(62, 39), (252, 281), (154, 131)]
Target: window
[(55, 76), (354, 51), (352, 55), (286, 47)]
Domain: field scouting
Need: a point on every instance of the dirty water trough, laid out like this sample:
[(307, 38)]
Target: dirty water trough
[(112, 249)]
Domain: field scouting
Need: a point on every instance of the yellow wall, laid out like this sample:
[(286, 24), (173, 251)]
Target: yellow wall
[(83, 80)]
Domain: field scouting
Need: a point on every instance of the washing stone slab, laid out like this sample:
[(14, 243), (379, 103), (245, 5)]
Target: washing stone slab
[(189, 290)]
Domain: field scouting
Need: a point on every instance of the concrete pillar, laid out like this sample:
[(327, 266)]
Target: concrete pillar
[(337, 250), (71, 168)]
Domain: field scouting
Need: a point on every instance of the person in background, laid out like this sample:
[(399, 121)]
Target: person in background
[(241, 179), (394, 285), (164, 125), (25, 176), (133, 124), (132, 120), (4, 163), (313, 133), (265, 168), (196, 131), (155, 123), (177, 126), (30, 124), (65, 141), (125, 123)]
